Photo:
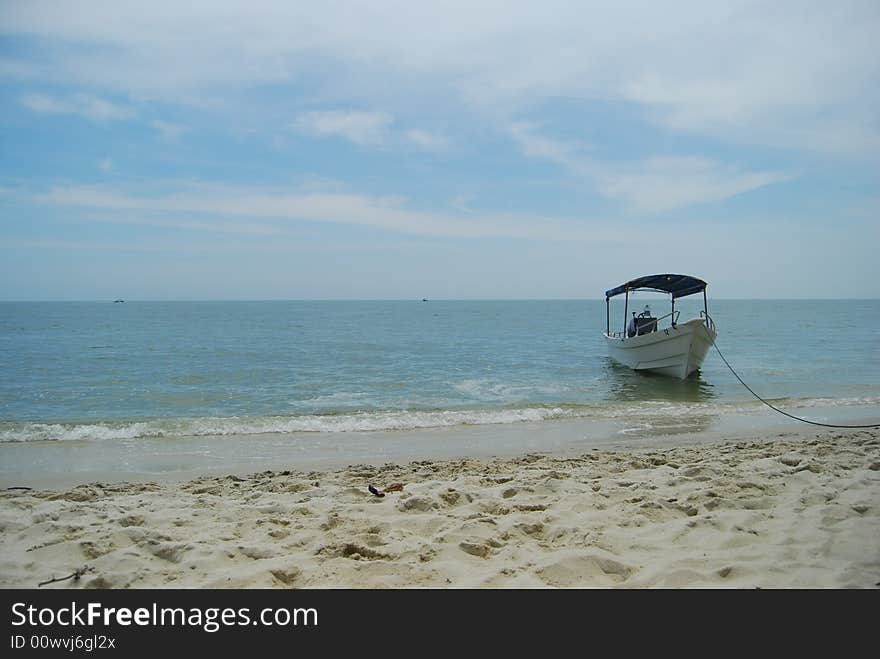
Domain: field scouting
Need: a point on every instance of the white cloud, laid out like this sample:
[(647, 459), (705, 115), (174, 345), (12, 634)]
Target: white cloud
[(365, 129), (276, 209), (659, 185), (43, 104), (739, 109), (362, 128), (652, 185), (426, 141), (736, 70), (85, 105), (167, 130), (534, 145)]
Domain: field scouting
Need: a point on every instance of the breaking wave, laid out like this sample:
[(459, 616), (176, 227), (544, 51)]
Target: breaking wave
[(389, 420)]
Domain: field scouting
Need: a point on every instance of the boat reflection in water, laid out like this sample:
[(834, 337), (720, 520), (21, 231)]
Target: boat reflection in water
[(626, 384), (653, 405)]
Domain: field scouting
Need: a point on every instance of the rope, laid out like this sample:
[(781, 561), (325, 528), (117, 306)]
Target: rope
[(797, 418)]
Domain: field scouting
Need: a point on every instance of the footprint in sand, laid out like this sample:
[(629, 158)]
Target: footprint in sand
[(535, 530), (352, 551), (257, 553), (417, 504), (587, 570), (287, 576)]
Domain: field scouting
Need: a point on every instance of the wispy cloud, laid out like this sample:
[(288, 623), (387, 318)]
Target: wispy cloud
[(659, 185), (736, 109), (277, 208), (534, 145), (167, 130), (362, 128), (694, 67), (373, 129), (426, 141), (650, 185), (85, 105), (285, 247), (631, 110)]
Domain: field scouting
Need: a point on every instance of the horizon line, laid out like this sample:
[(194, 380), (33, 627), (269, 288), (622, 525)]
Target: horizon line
[(405, 299)]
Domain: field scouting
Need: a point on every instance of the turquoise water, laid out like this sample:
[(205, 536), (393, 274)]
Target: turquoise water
[(104, 371)]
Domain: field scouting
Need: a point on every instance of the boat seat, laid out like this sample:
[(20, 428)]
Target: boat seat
[(645, 325)]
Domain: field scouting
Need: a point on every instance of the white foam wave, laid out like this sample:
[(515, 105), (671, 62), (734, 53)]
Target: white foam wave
[(640, 412), (63, 431), (358, 422), (836, 402)]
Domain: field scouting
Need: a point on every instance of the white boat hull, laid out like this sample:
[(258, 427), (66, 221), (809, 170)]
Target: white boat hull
[(675, 351)]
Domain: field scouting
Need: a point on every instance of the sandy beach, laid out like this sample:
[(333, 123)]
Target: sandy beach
[(796, 510)]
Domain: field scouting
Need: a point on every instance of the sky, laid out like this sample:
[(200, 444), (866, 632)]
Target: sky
[(458, 149)]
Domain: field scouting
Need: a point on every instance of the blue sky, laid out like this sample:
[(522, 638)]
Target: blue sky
[(301, 150)]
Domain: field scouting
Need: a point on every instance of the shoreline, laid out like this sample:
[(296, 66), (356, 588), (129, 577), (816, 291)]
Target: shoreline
[(66, 463), (771, 510)]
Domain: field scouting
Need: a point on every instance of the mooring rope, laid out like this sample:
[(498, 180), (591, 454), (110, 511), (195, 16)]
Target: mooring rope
[(772, 407)]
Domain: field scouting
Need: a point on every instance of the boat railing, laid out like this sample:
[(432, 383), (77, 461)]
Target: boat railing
[(710, 324), (674, 315), (674, 322)]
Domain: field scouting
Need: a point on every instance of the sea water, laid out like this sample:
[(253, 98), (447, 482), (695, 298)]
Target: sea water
[(117, 376)]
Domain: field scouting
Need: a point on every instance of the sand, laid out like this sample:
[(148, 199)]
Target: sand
[(793, 511)]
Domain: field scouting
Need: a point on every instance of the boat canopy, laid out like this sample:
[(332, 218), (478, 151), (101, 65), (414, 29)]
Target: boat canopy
[(677, 285)]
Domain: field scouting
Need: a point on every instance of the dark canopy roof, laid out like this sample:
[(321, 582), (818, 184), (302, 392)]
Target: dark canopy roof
[(677, 285)]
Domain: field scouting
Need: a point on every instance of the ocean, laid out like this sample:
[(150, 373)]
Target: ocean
[(310, 377)]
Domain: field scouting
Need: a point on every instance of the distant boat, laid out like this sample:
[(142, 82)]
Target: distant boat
[(424, 299), (677, 350), (115, 301)]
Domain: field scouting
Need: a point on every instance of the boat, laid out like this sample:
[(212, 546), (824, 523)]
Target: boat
[(645, 344)]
